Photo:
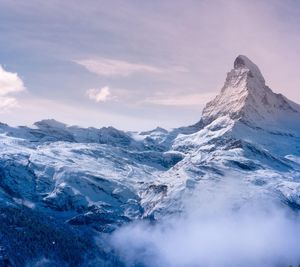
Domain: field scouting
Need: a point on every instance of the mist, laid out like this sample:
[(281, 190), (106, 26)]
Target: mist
[(218, 227)]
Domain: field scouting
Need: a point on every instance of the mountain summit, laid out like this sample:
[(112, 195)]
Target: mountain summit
[(246, 97)]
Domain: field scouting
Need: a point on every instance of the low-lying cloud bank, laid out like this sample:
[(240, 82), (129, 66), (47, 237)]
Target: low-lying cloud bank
[(216, 230)]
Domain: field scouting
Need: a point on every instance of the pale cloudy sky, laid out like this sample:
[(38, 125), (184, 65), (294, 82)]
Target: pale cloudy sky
[(137, 64)]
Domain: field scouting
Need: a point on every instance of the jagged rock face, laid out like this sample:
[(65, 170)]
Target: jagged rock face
[(246, 97)]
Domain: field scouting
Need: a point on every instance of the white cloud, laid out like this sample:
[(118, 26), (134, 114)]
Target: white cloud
[(181, 99), (7, 103), (99, 95), (220, 225), (111, 67), (10, 83)]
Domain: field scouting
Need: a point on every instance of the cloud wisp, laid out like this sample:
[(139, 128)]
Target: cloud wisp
[(190, 99), (99, 95), (112, 67), (10, 84)]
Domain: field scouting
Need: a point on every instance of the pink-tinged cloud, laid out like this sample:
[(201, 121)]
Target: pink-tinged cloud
[(112, 67)]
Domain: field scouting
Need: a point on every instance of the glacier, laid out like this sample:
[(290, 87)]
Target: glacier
[(72, 196)]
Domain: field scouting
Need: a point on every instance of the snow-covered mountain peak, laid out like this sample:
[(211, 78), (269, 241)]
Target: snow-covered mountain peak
[(245, 97), (50, 123), (242, 63)]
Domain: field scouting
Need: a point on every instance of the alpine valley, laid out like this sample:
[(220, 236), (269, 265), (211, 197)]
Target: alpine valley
[(72, 196)]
